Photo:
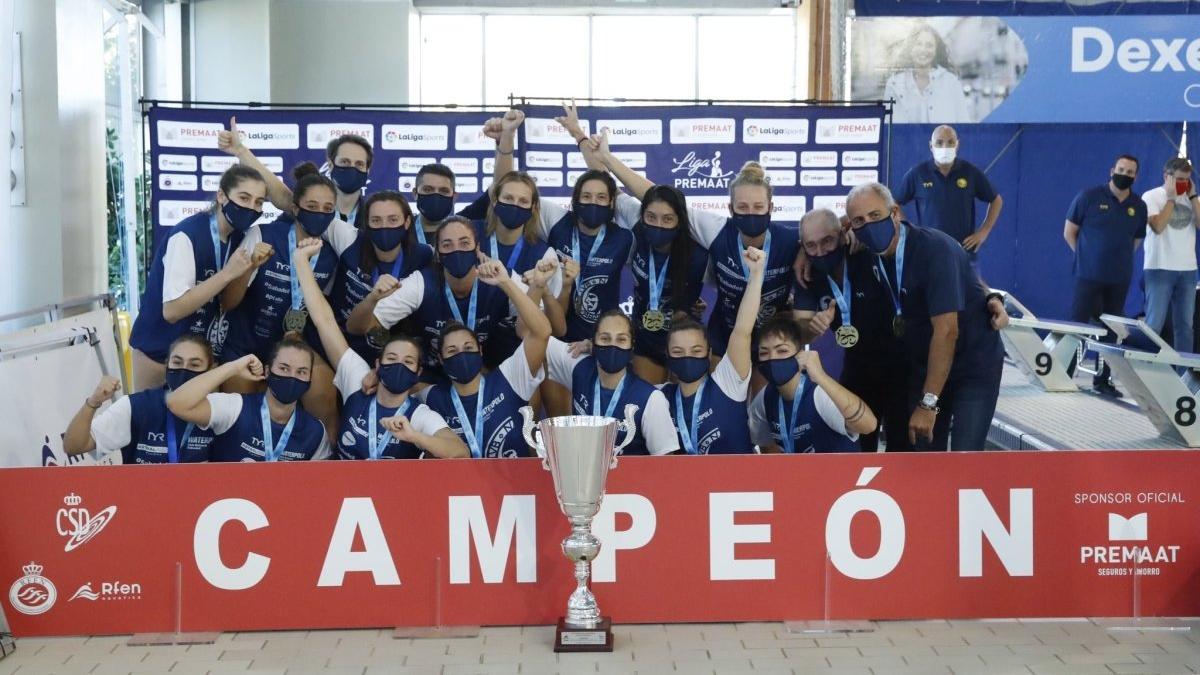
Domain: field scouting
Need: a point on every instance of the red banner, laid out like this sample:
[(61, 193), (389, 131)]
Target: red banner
[(86, 550)]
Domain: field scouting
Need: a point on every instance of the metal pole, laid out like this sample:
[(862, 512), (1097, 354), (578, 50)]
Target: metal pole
[(129, 161)]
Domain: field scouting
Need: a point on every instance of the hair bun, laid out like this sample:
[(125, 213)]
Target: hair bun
[(304, 169), (753, 171), (295, 335)]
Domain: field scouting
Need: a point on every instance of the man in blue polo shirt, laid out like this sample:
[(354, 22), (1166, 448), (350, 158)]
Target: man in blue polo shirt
[(945, 190), (1104, 226), (953, 346)]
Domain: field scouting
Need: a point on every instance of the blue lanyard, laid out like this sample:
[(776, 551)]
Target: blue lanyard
[(172, 446), (742, 249), (297, 295), (512, 256), (474, 441), (595, 245), (396, 267), (216, 240), (691, 440), (842, 295), (453, 302), (656, 281), (377, 442), (273, 450), (612, 402), (785, 426), (419, 228), (899, 271)]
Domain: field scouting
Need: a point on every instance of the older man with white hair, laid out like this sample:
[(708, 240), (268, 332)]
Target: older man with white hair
[(945, 190), (849, 296), (949, 334)]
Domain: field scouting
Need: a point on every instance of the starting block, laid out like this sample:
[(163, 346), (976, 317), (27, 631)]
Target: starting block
[(1150, 370), (1044, 360)]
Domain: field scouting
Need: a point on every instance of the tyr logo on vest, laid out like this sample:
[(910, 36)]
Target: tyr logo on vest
[(77, 524)]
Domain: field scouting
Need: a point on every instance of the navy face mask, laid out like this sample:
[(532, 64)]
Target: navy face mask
[(688, 368), (657, 236), (751, 224), (434, 207), (827, 264), (387, 238), (240, 217), (397, 377), (779, 371), (348, 179), (314, 222), (593, 215), (1121, 181), (512, 216), (177, 377), (459, 263), (877, 235), (286, 390), (612, 359), (463, 366)]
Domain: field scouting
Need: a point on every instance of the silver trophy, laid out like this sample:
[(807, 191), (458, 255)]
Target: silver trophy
[(578, 451)]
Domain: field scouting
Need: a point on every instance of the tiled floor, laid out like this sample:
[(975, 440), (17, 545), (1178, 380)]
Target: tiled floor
[(1032, 647)]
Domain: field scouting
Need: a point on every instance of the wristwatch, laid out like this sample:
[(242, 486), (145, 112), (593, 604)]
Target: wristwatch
[(930, 402)]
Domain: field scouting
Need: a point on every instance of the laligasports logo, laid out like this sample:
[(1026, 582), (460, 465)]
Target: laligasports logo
[(632, 132), (416, 136), (109, 590), (791, 131), (77, 524), (33, 593)]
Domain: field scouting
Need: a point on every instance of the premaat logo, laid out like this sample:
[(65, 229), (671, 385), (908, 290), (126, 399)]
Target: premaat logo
[(33, 593), (694, 171), (77, 524), (1133, 528)]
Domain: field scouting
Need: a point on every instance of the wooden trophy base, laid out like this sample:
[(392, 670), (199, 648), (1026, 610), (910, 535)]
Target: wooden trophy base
[(571, 639)]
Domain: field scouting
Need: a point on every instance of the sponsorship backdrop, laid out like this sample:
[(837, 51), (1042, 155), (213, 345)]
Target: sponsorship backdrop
[(812, 154), (375, 544), (1036, 69)]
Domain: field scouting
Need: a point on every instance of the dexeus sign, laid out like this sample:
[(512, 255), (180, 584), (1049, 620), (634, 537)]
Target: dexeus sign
[(1101, 69)]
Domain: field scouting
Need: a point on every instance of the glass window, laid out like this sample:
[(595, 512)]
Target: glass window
[(644, 56), (749, 57), (451, 58), (536, 56)]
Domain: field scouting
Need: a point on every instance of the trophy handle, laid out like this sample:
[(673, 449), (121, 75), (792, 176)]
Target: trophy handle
[(532, 437), (630, 429)]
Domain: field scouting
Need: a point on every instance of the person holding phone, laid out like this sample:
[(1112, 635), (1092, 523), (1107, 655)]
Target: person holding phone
[(1170, 262)]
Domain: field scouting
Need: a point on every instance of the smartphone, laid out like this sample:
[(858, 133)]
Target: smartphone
[(1183, 187)]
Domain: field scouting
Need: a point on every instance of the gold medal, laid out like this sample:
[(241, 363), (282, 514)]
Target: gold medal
[(654, 320), (295, 320), (846, 336), (898, 326)]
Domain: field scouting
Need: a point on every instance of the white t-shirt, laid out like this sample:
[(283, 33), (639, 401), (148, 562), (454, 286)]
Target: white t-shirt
[(657, 428), (110, 427), (225, 409), (401, 304), (941, 102), (339, 235), (179, 265), (516, 370), (760, 428), (731, 383), (348, 379), (1175, 248)]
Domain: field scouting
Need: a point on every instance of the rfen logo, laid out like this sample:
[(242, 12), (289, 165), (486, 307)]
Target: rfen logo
[(781, 178), (781, 158), (790, 131), (546, 179), (632, 132), (177, 181), (415, 136), (188, 134), (271, 136), (177, 162), (319, 135), (702, 130), (848, 130), (545, 131), (1092, 50)]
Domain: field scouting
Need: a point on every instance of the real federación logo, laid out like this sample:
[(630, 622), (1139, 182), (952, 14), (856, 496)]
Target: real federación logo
[(33, 593)]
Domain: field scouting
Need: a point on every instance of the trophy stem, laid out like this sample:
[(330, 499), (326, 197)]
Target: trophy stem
[(581, 546)]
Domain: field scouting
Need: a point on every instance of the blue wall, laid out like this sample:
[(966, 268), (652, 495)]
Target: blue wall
[(1038, 175)]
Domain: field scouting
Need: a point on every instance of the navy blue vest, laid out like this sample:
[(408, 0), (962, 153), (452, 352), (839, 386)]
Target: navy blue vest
[(501, 432), (636, 391), (257, 323), (654, 343), (503, 341), (243, 442), (724, 426), (352, 284), (352, 437), (598, 288), (152, 334), (810, 432), (726, 258), (434, 312), (148, 432)]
